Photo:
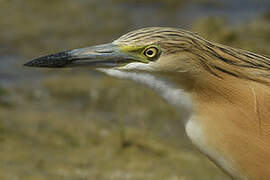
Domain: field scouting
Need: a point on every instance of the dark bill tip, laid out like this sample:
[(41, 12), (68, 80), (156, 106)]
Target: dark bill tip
[(106, 55), (61, 59)]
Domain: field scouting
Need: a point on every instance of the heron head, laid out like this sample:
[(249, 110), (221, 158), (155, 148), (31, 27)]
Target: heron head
[(169, 50), (150, 49)]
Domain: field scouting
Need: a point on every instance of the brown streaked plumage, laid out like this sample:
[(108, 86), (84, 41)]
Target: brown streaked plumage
[(225, 92), (215, 58)]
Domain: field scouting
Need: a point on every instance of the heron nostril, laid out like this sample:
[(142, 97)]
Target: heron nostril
[(104, 51)]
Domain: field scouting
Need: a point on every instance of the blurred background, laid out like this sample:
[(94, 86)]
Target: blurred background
[(80, 124)]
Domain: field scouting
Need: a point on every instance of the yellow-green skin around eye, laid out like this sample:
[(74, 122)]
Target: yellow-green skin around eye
[(137, 52)]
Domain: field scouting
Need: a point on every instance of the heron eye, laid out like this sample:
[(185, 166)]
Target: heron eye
[(151, 52)]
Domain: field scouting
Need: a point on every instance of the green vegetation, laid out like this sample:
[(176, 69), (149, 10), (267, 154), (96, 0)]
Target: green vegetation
[(267, 15), (5, 101), (2, 92)]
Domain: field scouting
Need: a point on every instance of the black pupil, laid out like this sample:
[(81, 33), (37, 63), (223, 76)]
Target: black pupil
[(150, 52)]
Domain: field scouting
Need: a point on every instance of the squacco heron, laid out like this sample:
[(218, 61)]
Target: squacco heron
[(222, 92)]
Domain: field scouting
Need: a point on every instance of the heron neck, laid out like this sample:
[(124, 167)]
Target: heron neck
[(171, 92)]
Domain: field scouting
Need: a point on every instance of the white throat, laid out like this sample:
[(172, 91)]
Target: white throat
[(174, 95)]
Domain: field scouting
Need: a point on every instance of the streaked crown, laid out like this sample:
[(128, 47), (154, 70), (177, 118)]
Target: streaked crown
[(214, 58)]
